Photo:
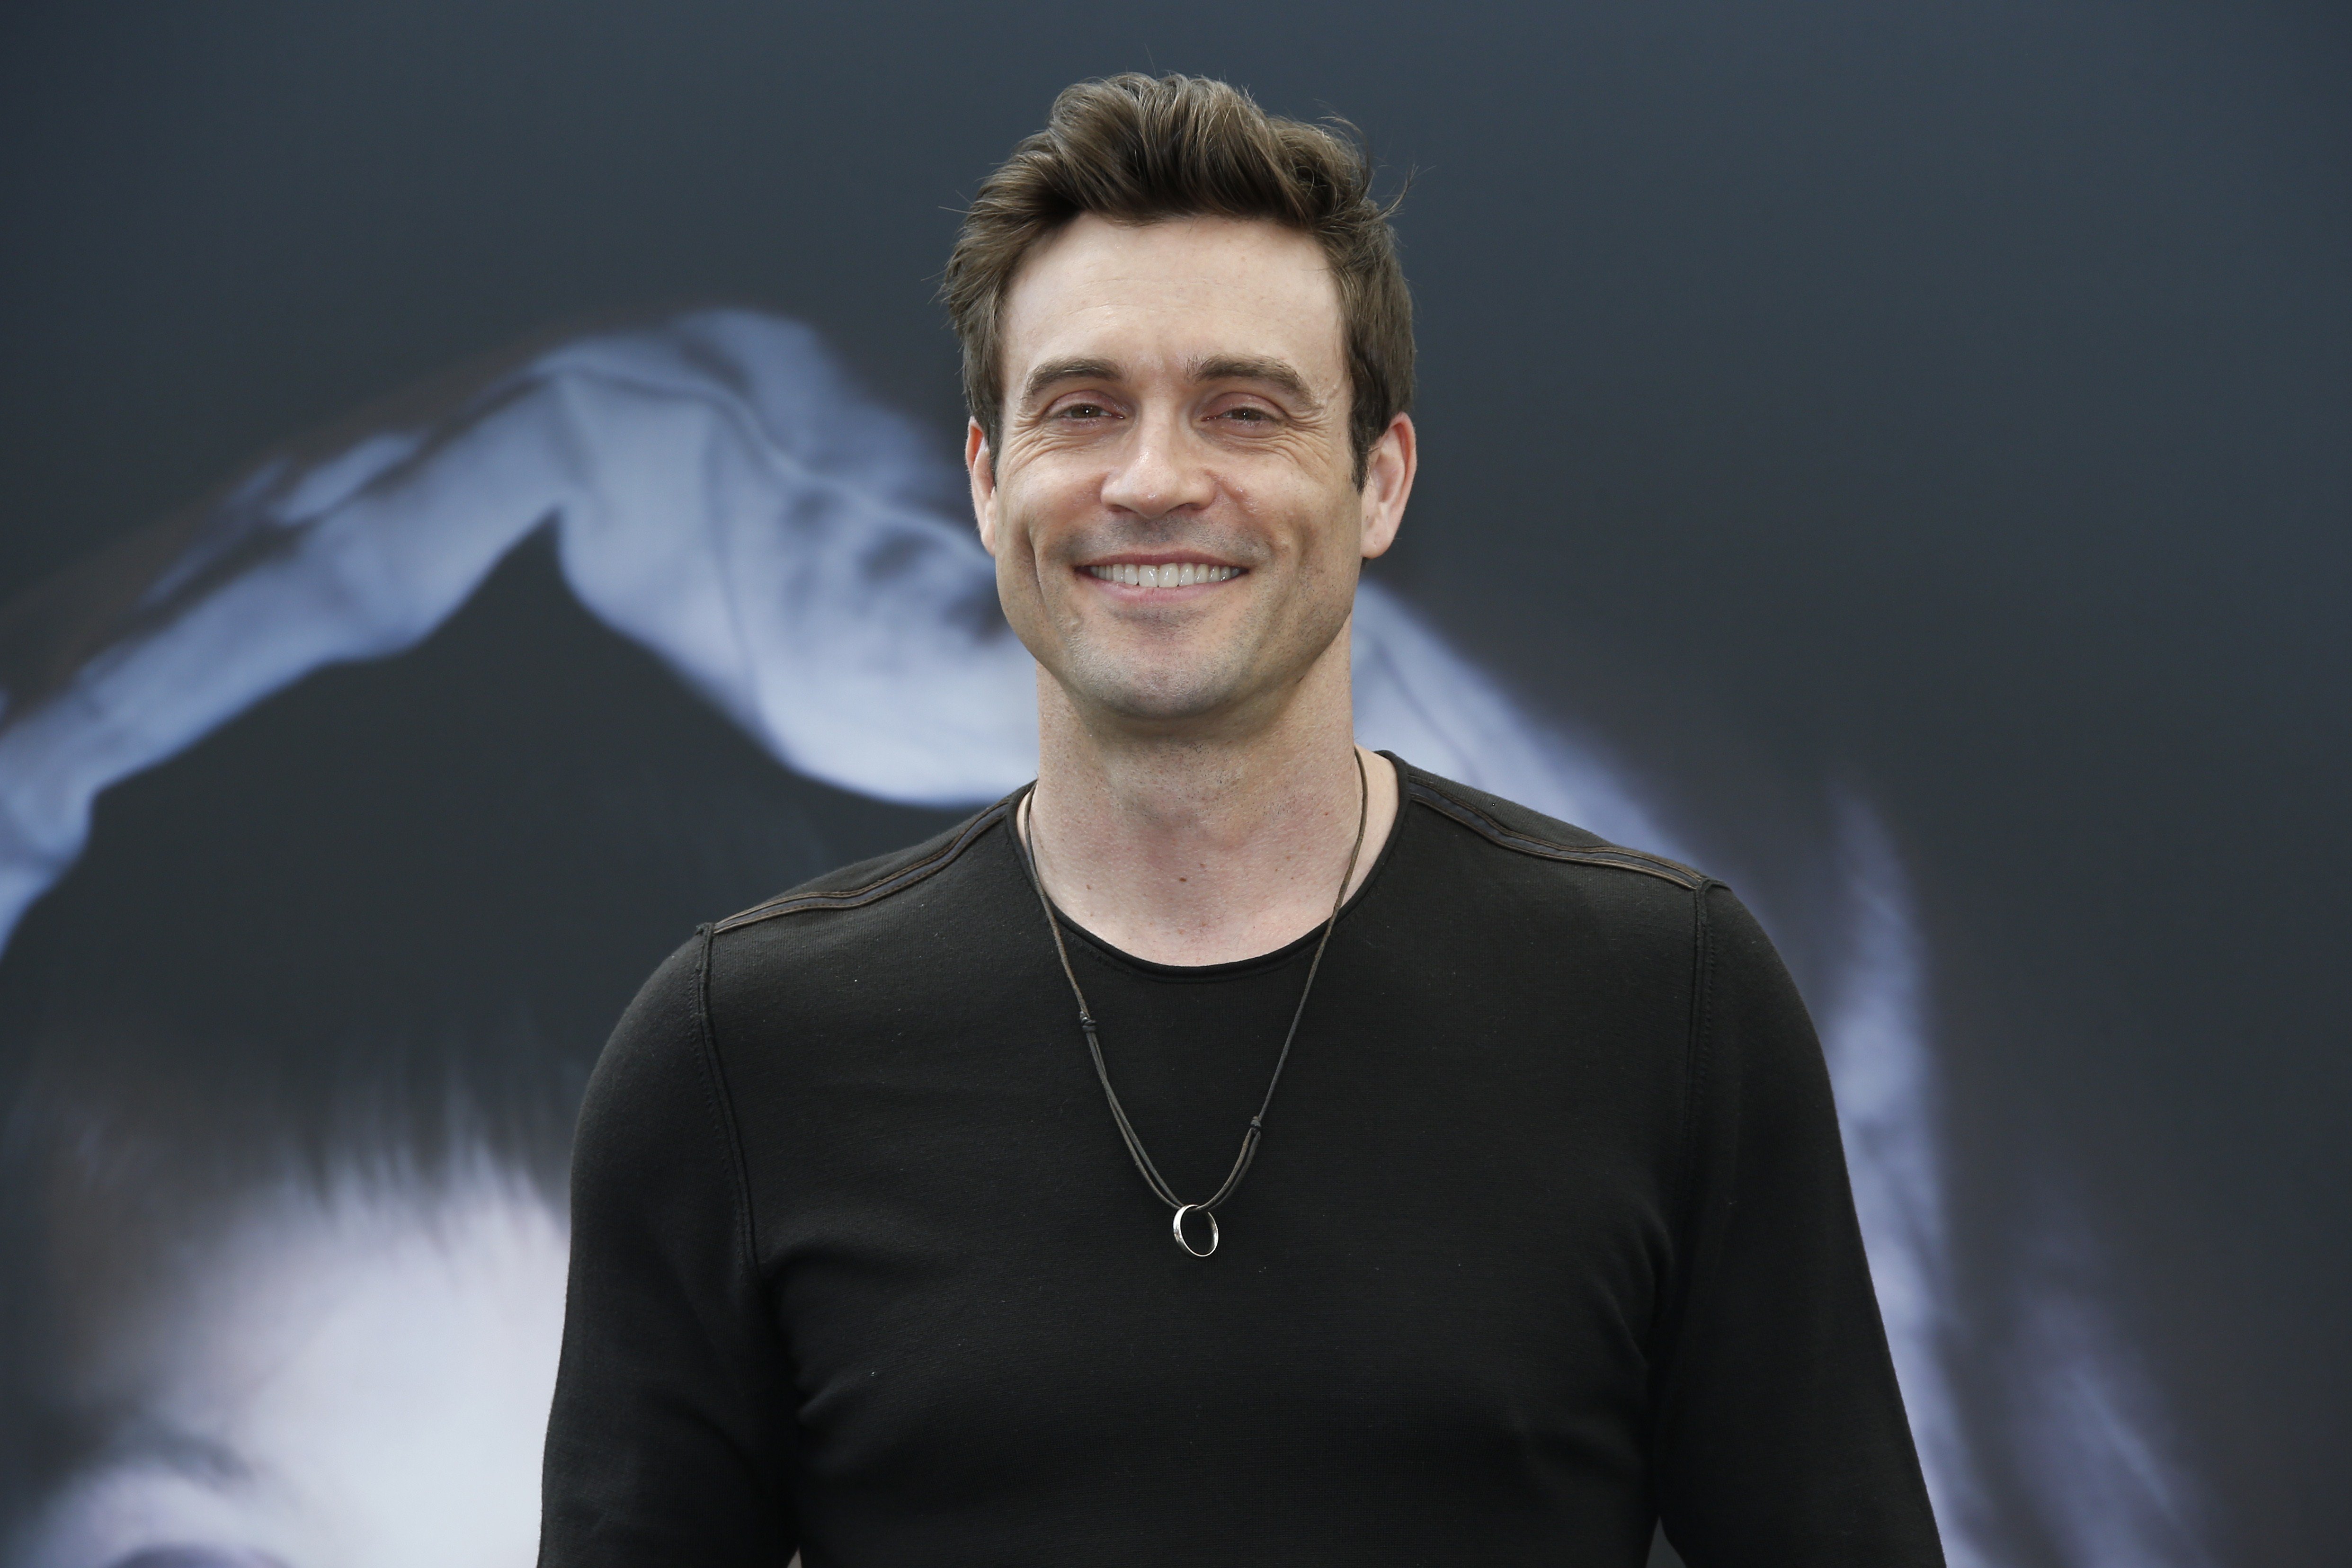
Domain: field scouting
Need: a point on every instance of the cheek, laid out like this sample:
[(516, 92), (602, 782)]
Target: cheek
[(1314, 525), (1018, 511), (1050, 512)]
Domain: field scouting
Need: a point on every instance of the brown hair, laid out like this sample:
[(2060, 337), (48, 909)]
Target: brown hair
[(1134, 149)]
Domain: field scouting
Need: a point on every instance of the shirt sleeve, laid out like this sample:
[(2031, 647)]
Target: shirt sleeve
[(665, 1440), (1781, 1436)]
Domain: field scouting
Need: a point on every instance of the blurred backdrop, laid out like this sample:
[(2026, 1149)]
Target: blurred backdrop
[(1897, 456)]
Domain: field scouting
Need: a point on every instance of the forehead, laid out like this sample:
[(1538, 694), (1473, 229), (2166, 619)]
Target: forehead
[(1172, 291)]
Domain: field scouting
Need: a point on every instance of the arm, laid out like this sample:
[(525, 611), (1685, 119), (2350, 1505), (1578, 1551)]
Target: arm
[(1780, 1437), (667, 1441)]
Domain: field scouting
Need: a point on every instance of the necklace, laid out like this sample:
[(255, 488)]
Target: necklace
[(1207, 1208)]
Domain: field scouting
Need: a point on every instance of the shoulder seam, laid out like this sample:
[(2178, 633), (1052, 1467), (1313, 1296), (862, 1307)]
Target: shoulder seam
[(1478, 822), (869, 892), (1698, 1058), (722, 1106), (1686, 1219)]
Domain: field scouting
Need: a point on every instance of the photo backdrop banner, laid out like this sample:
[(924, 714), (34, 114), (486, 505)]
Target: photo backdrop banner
[(1890, 462)]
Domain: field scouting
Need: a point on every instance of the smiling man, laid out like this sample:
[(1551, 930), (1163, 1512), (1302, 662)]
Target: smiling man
[(1239, 1147)]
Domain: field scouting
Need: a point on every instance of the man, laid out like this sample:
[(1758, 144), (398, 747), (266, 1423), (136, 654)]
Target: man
[(945, 1210)]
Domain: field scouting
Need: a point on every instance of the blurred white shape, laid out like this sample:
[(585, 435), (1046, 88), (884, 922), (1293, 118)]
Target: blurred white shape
[(360, 1379), (1874, 1035), (2083, 1422), (719, 492)]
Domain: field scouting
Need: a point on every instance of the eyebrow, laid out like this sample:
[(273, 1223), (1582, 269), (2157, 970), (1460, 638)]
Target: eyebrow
[(1060, 370), (1273, 372), (1215, 367)]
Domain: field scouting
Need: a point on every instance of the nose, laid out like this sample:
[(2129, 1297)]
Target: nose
[(1159, 471)]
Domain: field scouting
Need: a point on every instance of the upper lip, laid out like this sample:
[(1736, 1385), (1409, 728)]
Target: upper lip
[(1158, 558)]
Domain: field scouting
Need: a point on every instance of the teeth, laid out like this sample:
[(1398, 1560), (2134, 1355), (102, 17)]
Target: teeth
[(1173, 574)]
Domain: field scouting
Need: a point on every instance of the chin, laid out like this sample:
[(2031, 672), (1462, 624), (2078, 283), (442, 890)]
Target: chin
[(1157, 696), (1163, 682)]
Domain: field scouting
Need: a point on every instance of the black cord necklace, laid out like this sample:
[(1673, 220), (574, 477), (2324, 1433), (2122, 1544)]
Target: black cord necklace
[(1206, 1208)]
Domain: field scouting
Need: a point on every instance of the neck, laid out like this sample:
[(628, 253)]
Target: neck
[(1205, 844)]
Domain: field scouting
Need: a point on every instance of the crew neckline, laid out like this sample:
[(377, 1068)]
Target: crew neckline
[(1232, 967)]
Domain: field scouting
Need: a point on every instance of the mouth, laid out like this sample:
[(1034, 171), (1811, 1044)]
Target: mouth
[(1162, 575)]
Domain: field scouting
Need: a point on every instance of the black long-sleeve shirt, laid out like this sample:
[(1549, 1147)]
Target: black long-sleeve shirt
[(1550, 1236)]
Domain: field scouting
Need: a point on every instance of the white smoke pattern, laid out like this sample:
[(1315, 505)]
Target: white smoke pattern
[(720, 493), (1874, 1036), (2086, 1433)]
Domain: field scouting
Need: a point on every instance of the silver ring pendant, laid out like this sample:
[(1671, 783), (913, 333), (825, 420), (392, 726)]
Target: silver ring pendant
[(1182, 1241)]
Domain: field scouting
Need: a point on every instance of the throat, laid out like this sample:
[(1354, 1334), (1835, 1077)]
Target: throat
[(1196, 888)]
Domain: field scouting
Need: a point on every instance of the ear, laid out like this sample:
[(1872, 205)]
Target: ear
[(980, 466), (1389, 468)]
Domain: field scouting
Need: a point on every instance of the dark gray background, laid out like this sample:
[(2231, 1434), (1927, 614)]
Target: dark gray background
[(1950, 401)]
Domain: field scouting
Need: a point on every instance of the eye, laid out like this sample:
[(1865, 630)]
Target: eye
[(1246, 414), (1082, 410)]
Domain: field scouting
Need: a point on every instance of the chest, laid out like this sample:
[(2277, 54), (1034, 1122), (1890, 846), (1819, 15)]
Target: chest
[(1451, 1240)]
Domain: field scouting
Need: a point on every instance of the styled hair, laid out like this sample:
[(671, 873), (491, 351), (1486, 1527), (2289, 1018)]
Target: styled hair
[(1137, 149)]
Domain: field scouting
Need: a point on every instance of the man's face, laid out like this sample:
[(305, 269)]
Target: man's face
[(1172, 506)]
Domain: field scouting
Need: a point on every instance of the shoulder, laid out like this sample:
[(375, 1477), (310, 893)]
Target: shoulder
[(1559, 885), (1619, 891), (1574, 884), (651, 1086), (869, 883), (915, 905), (1505, 828), (837, 967)]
